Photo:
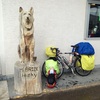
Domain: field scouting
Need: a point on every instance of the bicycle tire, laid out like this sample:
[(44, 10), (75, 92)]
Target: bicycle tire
[(78, 68), (58, 76)]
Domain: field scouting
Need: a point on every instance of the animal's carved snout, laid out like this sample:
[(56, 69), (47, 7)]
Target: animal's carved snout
[(28, 20)]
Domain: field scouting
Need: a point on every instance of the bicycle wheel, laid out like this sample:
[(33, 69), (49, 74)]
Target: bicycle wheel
[(58, 75), (78, 68)]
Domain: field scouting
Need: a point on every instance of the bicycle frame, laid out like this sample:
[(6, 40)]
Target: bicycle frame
[(62, 60), (65, 62)]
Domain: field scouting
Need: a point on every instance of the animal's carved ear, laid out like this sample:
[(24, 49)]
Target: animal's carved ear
[(31, 10), (20, 9)]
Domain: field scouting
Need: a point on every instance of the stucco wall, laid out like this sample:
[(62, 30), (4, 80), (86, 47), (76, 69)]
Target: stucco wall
[(57, 22), (2, 69)]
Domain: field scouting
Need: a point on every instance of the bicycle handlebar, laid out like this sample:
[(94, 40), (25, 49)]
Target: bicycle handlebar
[(57, 50), (53, 48)]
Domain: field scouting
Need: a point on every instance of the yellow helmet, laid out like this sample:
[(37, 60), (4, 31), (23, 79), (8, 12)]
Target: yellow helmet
[(49, 52)]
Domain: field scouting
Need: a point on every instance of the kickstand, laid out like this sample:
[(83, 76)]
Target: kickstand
[(57, 86), (73, 71)]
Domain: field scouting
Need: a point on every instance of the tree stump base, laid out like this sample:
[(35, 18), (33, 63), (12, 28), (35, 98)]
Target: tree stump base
[(27, 78)]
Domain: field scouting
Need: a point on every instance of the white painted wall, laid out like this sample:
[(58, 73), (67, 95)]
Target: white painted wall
[(57, 22), (0, 32), (2, 50)]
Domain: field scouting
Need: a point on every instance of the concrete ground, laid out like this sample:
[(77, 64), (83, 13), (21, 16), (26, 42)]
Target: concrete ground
[(66, 83)]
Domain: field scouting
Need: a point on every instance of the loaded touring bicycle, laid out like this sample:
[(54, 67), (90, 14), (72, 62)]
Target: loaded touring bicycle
[(82, 60)]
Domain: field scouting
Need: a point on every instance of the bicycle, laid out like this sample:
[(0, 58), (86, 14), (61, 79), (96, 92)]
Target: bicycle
[(64, 63)]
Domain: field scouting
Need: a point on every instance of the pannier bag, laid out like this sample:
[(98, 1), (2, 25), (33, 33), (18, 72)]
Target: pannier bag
[(51, 64), (88, 62), (86, 51), (84, 48)]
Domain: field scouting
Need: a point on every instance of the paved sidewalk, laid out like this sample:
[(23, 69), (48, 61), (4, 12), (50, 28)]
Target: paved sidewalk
[(66, 82), (4, 90)]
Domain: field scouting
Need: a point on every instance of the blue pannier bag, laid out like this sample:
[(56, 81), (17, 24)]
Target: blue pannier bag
[(84, 48)]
